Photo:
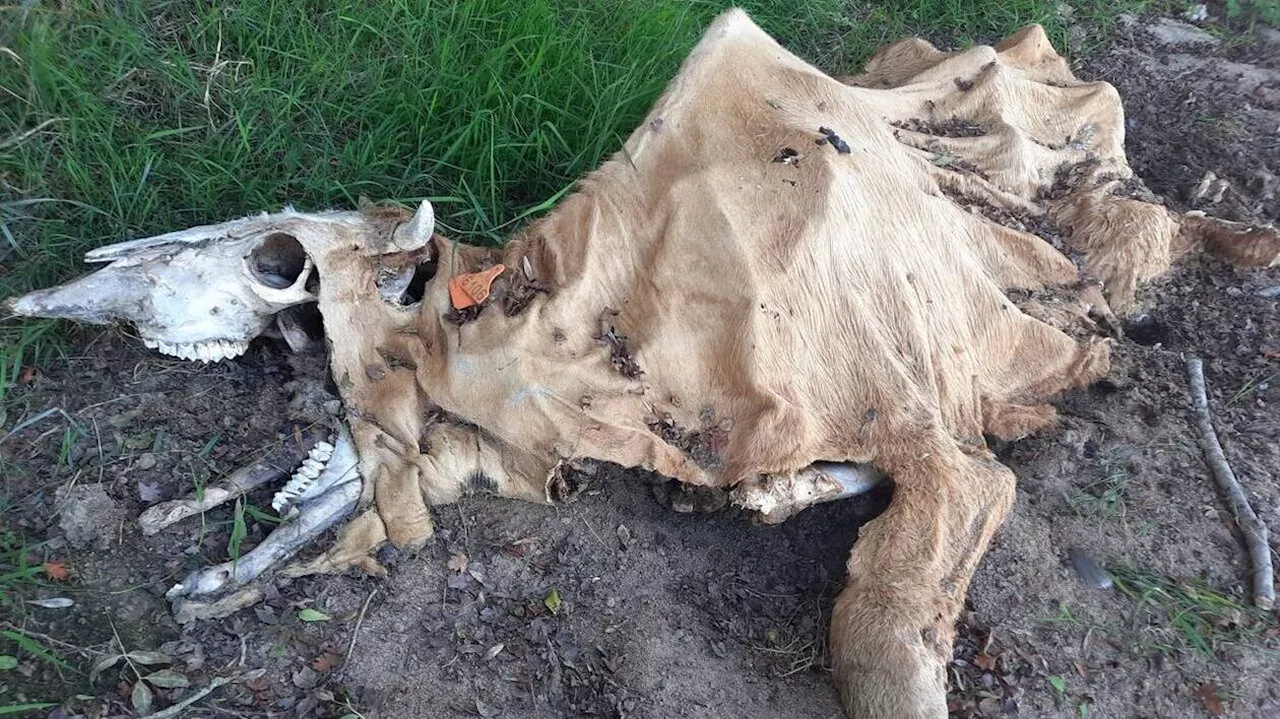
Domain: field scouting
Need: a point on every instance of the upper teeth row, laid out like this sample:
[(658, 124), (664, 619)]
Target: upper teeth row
[(304, 477), (210, 351)]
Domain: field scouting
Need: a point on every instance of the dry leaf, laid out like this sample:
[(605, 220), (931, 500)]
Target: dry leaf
[(552, 600), (485, 710), (27, 376), (305, 678), (103, 663), (52, 602), (168, 678), (149, 657), (149, 492), (985, 661), (1208, 695), (57, 570), (326, 662), (458, 563)]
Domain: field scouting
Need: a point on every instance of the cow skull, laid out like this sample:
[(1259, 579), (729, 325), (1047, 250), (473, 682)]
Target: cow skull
[(205, 293)]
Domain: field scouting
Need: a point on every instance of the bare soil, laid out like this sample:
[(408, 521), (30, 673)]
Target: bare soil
[(616, 606)]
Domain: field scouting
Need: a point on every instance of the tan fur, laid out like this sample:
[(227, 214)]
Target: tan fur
[(849, 307)]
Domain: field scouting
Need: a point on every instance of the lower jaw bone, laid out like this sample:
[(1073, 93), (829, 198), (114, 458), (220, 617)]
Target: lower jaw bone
[(223, 589), (242, 481), (198, 596)]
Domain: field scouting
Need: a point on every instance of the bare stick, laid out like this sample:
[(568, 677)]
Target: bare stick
[(359, 620), (1255, 532)]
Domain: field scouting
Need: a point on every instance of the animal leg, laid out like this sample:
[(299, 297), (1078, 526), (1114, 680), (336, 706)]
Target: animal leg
[(775, 498), (457, 461), (463, 461), (893, 625), (1237, 242)]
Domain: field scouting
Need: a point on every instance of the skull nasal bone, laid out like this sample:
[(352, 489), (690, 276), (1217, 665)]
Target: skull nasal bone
[(279, 261)]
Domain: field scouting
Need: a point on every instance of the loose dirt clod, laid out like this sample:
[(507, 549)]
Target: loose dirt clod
[(88, 515)]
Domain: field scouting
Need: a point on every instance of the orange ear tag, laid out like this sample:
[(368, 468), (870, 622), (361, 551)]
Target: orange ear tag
[(472, 289)]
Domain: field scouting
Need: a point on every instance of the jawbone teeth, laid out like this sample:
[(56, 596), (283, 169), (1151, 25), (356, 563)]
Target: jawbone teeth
[(303, 478)]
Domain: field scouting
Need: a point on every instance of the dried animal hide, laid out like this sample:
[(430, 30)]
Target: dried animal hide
[(781, 269)]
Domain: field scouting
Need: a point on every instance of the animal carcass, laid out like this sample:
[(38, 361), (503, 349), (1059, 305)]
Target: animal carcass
[(784, 285)]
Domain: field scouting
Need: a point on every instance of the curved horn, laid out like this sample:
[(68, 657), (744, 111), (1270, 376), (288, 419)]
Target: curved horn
[(416, 232)]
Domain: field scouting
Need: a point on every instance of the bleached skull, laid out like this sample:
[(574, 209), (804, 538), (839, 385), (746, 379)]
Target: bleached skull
[(204, 293)]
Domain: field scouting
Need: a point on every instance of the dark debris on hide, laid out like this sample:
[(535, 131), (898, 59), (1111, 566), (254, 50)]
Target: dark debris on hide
[(463, 316), (621, 352), (704, 446), (830, 136)]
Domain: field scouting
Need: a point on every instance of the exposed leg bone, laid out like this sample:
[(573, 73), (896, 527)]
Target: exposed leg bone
[(778, 497), (313, 517)]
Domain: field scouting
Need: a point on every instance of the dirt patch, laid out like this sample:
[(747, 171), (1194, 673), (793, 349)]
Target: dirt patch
[(614, 606), (1194, 107)]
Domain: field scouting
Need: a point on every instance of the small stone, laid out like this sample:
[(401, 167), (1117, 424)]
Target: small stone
[(88, 515), (1178, 34), (146, 460), (1089, 569), (1198, 12)]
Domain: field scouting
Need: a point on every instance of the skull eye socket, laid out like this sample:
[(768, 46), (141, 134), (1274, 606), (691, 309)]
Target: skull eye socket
[(278, 261)]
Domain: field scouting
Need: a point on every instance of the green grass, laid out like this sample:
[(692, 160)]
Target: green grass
[(1174, 615), (123, 119), (1105, 497), (19, 569)]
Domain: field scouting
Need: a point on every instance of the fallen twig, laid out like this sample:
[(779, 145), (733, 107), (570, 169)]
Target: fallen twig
[(356, 631), (176, 709), (1255, 532), (83, 651)]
